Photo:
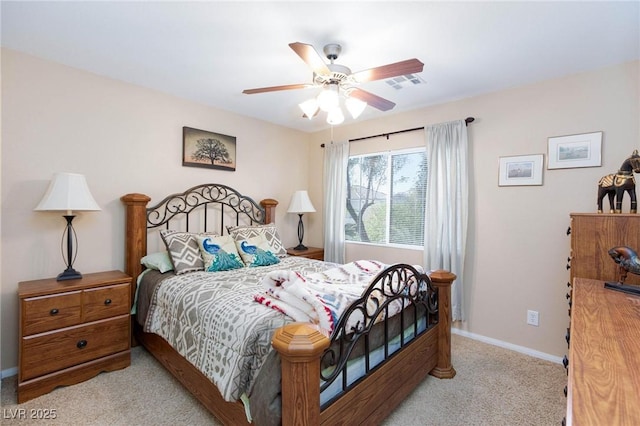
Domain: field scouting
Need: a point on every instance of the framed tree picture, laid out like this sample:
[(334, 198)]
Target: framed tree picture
[(201, 148)]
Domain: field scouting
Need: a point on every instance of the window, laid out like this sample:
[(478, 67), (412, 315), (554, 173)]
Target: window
[(386, 197)]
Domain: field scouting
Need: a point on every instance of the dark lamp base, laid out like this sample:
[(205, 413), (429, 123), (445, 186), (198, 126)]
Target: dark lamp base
[(300, 247), (69, 274)]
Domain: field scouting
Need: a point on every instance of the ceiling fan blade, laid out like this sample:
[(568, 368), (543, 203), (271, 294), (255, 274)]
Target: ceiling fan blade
[(276, 88), (311, 57), (410, 66), (373, 100)]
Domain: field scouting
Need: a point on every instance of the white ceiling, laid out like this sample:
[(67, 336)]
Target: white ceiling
[(210, 51)]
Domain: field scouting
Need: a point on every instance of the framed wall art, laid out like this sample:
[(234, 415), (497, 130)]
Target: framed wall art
[(520, 170), (201, 148), (583, 150)]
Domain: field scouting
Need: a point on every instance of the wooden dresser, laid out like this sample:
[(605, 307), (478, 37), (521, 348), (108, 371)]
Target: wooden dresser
[(604, 356), (592, 235), (72, 330)]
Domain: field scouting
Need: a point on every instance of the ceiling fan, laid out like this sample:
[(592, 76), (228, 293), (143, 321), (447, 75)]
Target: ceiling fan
[(338, 79)]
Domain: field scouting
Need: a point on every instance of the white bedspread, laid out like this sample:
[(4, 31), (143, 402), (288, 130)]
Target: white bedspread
[(321, 297)]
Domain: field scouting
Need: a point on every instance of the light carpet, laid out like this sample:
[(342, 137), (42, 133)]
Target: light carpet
[(493, 386)]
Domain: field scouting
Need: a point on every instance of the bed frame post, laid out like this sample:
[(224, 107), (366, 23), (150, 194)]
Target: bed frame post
[(300, 346), (269, 206), (136, 234), (442, 280)]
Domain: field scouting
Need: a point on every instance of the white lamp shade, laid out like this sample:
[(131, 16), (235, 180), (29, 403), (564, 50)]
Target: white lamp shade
[(309, 108), (335, 116), (329, 98), (68, 191), (300, 203), (355, 107)]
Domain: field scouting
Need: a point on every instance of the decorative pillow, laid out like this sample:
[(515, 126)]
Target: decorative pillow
[(256, 251), (159, 261), (184, 250), (269, 231), (219, 253)]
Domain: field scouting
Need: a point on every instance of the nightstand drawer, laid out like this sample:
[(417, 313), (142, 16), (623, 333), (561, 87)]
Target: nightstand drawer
[(48, 352), (51, 312), (105, 302)]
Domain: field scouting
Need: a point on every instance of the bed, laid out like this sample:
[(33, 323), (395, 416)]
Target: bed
[(380, 346)]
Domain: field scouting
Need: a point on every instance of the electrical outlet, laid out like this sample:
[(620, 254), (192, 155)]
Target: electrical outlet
[(532, 318)]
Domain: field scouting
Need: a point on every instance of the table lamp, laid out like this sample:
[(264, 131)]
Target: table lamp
[(68, 192), (300, 204)]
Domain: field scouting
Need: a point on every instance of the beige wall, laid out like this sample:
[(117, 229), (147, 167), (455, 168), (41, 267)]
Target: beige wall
[(517, 246), (125, 139)]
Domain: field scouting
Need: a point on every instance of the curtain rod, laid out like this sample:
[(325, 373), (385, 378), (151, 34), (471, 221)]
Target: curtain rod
[(467, 121)]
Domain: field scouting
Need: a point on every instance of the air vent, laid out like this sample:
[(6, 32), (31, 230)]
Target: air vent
[(405, 81)]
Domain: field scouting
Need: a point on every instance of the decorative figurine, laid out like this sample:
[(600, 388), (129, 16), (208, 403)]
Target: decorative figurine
[(628, 260), (616, 184)]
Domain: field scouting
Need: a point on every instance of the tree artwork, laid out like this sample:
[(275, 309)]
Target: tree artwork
[(211, 150), (201, 148)]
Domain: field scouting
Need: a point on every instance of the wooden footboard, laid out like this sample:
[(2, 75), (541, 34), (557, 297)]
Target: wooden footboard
[(301, 347), (374, 397)]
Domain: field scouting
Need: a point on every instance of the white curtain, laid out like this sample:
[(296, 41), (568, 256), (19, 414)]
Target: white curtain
[(445, 235), (336, 158)]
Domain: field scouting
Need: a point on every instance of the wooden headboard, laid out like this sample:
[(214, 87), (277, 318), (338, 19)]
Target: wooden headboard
[(203, 208)]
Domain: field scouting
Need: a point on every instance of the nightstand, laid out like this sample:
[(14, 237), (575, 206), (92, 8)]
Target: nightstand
[(310, 253), (72, 330)]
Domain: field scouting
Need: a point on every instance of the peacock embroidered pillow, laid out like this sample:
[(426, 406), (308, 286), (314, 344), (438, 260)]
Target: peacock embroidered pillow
[(269, 232), (219, 253), (256, 251)]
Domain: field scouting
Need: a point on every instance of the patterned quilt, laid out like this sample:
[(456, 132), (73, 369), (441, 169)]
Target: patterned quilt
[(213, 321)]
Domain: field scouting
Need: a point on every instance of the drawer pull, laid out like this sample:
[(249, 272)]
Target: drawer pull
[(54, 311), (565, 391), (81, 344), (565, 362), (569, 231), (107, 302)]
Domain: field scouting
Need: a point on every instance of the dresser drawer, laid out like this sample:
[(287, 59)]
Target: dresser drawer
[(48, 352), (51, 312), (105, 302)]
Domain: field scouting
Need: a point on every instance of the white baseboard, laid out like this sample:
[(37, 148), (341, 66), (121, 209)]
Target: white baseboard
[(8, 372), (511, 346)]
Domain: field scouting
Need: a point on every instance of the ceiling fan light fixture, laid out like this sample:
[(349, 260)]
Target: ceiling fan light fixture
[(309, 108), (329, 98), (355, 106), (335, 116)]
